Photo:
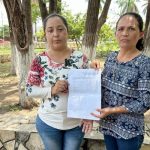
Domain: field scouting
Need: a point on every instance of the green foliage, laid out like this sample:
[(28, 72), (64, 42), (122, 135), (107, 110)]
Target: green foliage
[(127, 6), (4, 31), (35, 12), (15, 107), (76, 24), (11, 107), (5, 49), (40, 34), (107, 33), (107, 41)]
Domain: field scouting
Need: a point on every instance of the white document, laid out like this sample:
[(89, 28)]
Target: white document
[(84, 93)]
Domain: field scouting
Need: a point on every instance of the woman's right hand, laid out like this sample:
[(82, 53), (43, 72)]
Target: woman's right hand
[(103, 112), (95, 64), (61, 86)]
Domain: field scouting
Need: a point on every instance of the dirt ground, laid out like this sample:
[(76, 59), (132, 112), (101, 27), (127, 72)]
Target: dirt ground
[(9, 98), (8, 93)]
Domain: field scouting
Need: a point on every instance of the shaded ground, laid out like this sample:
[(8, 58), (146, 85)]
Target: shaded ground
[(8, 89), (8, 93)]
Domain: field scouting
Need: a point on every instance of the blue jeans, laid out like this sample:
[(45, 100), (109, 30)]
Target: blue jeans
[(55, 139), (113, 143)]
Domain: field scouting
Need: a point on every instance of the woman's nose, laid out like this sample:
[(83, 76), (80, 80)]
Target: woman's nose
[(125, 33), (55, 33)]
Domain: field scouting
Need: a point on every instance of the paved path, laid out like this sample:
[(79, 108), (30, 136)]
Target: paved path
[(25, 120)]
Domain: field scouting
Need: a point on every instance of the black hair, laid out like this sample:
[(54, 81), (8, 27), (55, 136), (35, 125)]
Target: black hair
[(140, 43), (55, 15)]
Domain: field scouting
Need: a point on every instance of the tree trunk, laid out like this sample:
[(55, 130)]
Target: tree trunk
[(26, 5), (147, 42), (147, 31), (13, 54), (13, 59), (43, 9), (53, 6), (88, 43), (12, 43), (20, 22), (102, 18), (59, 6), (147, 20), (23, 63)]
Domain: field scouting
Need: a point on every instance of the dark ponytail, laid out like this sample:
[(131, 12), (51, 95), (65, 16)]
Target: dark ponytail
[(140, 44)]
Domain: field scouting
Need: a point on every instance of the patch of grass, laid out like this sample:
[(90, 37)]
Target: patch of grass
[(15, 107), (5, 50), (7, 108), (39, 50)]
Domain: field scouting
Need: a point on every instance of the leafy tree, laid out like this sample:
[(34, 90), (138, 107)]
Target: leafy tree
[(107, 41), (40, 34), (54, 6), (93, 25), (35, 12), (106, 33), (88, 43), (76, 26), (75, 23), (104, 13)]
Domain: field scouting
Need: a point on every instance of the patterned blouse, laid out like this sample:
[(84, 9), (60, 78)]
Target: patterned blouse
[(42, 76), (128, 85)]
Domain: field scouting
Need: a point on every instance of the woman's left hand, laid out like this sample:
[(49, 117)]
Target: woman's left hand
[(87, 125)]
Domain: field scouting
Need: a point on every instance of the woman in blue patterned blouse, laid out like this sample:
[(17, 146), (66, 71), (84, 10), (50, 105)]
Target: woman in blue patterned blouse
[(125, 87)]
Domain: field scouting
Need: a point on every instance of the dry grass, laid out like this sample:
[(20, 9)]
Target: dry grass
[(4, 69)]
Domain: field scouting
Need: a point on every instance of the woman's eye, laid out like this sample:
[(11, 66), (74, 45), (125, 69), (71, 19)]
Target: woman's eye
[(131, 29), (60, 29), (120, 29), (50, 31)]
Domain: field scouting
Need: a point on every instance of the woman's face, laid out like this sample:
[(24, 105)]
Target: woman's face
[(56, 33), (128, 33)]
